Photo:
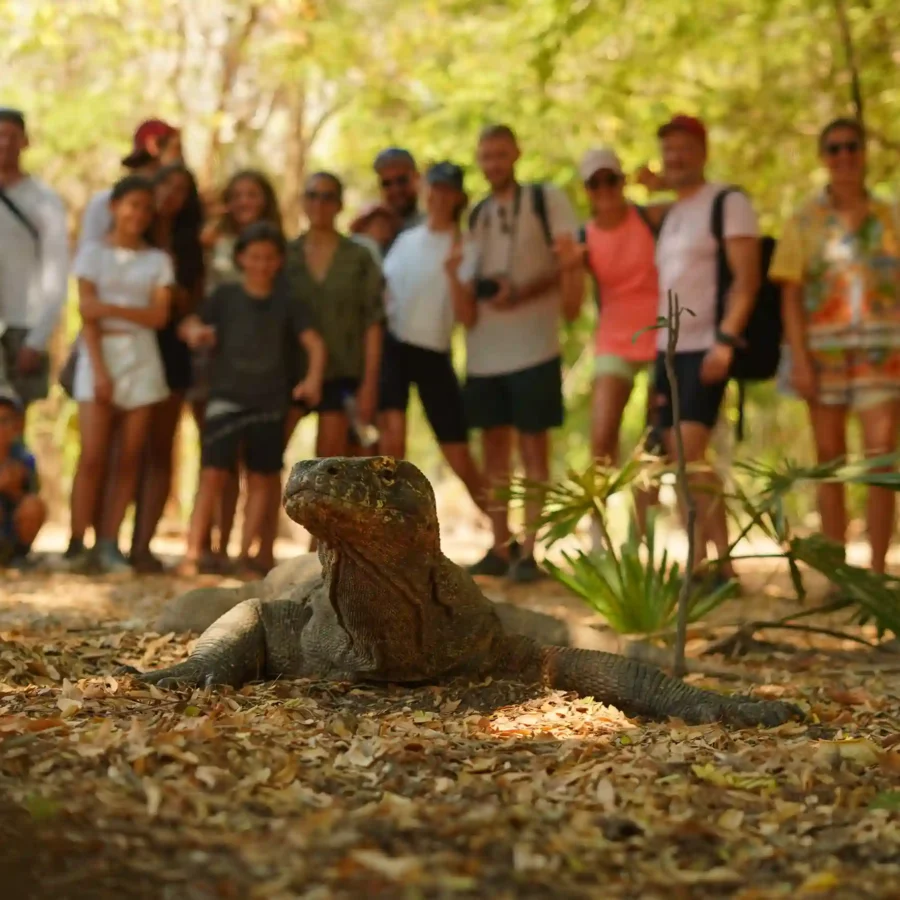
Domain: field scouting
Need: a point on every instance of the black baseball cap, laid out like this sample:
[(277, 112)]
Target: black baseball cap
[(15, 116), (393, 156), (446, 173)]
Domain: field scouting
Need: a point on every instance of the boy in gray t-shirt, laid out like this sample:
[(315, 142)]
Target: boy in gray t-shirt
[(250, 387), (510, 299)]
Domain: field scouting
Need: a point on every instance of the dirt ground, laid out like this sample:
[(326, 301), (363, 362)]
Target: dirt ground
[(318, 790)]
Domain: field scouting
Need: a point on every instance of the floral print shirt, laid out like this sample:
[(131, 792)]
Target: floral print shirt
[(851, 280)]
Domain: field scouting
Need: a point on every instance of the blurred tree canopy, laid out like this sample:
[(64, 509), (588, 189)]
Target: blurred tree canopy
[(296, 85)]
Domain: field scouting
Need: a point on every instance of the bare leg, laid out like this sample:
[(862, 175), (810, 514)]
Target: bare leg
[(830, 433), (392, 427), (695, 438), (879, 425), (30, 515), (497, 444), (610, 398), (460, 459), (535, 452), (211, 481), (95, 422), (155, 482), (260, 489), (133, 430)]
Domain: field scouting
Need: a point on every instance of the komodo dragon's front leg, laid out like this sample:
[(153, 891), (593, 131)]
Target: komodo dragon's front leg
[(231, 651)]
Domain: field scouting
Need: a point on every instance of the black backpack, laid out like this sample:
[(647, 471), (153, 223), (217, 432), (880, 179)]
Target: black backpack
[(759, 359), (538, 204)]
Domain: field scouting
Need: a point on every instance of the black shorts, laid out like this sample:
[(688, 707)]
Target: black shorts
[(259, 434), (176, 359), (697, 402), (529, 400), (334, 390), (433, 375)]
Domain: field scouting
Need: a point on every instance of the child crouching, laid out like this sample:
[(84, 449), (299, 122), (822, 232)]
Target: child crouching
[(22, 512), (245, 324)]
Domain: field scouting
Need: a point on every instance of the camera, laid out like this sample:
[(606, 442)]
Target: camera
[(485, 288)]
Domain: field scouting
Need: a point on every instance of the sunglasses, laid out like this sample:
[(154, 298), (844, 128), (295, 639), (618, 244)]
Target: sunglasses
[(835, 148), (324, 196), (399, 181), (603, 179)]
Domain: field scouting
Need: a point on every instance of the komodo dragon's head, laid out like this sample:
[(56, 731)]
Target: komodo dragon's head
[(377, 502)]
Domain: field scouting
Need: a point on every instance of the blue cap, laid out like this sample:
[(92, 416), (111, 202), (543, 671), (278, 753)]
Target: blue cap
[(392, 156)]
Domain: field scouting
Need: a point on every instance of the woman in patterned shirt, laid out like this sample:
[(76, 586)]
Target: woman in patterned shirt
[(839, 262)]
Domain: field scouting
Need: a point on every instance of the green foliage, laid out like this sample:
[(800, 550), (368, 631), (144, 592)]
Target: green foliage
[(635, 592), (631, 594)]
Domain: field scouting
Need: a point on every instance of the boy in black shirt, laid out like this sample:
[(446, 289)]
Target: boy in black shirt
[(249, 387)]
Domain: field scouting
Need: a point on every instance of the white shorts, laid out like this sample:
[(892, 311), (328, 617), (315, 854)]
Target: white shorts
[(134, 365)]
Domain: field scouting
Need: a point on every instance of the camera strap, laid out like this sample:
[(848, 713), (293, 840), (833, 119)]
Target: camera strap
[(513, 232)]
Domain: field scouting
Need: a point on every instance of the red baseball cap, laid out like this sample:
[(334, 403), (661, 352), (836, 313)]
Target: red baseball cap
[(152, 129), (688, 124)]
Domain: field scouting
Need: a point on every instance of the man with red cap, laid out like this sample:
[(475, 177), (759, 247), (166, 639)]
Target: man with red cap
[(688, 258), (156, 144)]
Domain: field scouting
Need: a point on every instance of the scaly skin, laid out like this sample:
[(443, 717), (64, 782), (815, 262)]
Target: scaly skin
[(390, 607)]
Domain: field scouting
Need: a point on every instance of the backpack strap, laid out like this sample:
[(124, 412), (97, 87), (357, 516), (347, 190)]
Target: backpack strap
[(645, 218), (539, 204), (475, 212), (723, 282), (17, 212), (723, 271)]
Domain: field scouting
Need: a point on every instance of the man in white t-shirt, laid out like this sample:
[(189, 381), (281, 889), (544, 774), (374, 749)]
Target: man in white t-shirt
[(514, 374), (34, 262), (687, 259)]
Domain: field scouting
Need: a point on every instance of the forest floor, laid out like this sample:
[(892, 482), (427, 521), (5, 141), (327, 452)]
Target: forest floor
[(320, 790)]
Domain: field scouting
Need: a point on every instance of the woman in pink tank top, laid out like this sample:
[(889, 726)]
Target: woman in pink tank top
[(619, 253)]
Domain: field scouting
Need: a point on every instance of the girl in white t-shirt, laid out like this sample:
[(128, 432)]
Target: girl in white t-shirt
[(124, 288), (420, 274)]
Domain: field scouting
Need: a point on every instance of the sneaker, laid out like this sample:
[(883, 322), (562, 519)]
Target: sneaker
[(75, 549), (110, 558), (525, 570), (492, 564), (22, 562)]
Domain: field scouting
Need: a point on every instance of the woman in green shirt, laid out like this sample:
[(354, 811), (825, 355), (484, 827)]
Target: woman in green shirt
[(342, 285)]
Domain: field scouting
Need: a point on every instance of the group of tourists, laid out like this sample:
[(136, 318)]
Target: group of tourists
[(215, 307)]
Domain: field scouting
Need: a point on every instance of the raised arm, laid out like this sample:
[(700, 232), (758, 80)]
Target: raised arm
[(462, 290)]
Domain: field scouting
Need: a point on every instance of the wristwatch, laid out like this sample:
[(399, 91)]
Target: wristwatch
[(736, 343)]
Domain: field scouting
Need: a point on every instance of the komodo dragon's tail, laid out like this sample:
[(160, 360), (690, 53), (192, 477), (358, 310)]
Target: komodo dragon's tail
[(636, 688)]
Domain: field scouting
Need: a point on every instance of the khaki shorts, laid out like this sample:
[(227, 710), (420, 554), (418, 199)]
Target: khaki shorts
[(608, 364)]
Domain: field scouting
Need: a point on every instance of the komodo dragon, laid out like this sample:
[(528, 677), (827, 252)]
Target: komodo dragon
[(390, 607)]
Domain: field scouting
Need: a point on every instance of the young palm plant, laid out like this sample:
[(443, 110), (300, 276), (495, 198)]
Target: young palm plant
[(635, 588), (632, 586)]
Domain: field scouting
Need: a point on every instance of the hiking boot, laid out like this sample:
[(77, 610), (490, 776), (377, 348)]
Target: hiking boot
[(492, 564), (75, 549), (525, 570), (110, 559), (78, 559)]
